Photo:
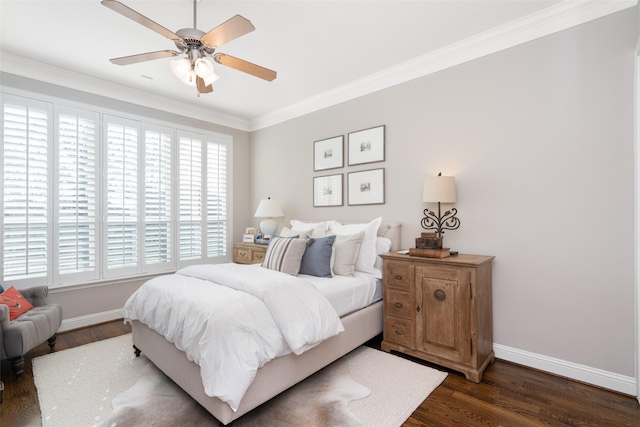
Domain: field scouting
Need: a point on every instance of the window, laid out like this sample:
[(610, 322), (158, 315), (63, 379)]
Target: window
[(203, 197), (158, 198), (121, 190), (25, 156), (77, 224), (91, 196)]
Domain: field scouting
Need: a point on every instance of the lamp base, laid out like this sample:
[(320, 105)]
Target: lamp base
[(268, 226)]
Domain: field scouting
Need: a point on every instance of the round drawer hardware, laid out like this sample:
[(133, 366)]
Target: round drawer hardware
[(398, 277), (399, 332), (439, 295), (398, 304)]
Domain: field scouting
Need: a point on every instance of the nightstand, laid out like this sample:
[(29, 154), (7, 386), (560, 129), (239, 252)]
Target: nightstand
[(440, 310), (248, 253)]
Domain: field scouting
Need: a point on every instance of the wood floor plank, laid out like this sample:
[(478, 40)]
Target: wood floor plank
[(509, 395)]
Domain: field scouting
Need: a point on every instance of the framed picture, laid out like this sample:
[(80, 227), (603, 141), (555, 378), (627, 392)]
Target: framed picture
[(327, 190), (366, 187), (247, 238), (251, 230), (366, 146), (328, 153)]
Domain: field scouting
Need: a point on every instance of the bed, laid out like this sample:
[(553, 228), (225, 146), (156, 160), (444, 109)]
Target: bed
[(278, 374)]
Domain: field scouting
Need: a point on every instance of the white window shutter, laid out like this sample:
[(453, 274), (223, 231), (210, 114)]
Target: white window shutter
[(26, 134)]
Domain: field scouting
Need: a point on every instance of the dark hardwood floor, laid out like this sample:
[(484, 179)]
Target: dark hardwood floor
[(509, 395)]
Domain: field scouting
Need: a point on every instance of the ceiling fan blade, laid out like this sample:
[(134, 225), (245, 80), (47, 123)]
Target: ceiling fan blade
[(228, 30), (244, 66), (133, 59), (202, 87), (140, 19)]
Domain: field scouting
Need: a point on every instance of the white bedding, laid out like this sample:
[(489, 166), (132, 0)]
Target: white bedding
[(348, 294), (231, 319)]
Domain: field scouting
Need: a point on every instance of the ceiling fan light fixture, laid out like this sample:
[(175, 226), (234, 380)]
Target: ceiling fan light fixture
[(203, 67), (210, 79), (180, 67)]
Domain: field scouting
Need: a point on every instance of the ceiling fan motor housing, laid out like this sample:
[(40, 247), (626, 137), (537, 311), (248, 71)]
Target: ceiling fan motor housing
[(192, 40)]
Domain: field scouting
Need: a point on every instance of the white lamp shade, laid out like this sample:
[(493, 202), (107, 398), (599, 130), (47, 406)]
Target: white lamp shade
[(182, 69), (268, 209), (439, 189), (203, 67), (210, 79)]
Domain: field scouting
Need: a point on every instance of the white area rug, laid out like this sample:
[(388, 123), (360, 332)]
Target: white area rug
[(77, 387)]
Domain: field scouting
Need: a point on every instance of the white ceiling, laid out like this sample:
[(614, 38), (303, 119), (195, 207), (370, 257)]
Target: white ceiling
[(324, 51)]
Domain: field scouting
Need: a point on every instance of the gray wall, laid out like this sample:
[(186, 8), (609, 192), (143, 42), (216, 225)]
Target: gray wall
[(540, 140), (97, 299)]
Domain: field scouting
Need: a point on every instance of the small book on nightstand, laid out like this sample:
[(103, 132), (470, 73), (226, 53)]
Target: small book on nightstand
[(429, 253)]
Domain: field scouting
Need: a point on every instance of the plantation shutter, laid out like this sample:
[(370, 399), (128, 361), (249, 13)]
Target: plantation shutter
[(216, 198), (25, 151), (122, 194), (77, 192), (190, 197), (158, 197)]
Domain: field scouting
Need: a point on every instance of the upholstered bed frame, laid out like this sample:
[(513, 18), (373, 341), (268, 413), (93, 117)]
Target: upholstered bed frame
[(275, 376)]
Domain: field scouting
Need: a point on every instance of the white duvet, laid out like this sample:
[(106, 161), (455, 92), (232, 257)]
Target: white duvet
[(231, 319)]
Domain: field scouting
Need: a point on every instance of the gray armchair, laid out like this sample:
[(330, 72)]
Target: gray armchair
[(30, 329)]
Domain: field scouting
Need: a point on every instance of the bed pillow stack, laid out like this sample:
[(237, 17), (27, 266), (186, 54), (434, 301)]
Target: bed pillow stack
[(366, 260), (331, 249)]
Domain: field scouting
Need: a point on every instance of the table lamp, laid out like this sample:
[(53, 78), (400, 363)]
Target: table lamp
[(440, 189), (268, 209)]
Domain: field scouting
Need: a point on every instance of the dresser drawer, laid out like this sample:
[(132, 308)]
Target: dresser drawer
[(398, 275), (398, 331), (257, 257), (398, 303), (242, 255)]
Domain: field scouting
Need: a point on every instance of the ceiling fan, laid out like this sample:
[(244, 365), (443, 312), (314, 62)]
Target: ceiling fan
[(197, 45)]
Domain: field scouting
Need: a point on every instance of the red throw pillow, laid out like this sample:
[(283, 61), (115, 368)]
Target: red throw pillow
[(16, 302)]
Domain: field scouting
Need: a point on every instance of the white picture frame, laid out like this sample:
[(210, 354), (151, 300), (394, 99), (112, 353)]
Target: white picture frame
[(366, 187), (327, 190), (247, 238), (366, 146), (328, 153)]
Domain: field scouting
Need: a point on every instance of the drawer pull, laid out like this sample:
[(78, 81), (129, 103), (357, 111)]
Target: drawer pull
[(398, 304), (399, 332), (439, 295), (398, 277)]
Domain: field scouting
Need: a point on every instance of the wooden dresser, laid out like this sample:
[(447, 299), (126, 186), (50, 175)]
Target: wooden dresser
[(248, 253), (440, 310)]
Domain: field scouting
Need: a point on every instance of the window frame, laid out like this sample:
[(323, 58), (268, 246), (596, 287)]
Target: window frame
[(101, 274)]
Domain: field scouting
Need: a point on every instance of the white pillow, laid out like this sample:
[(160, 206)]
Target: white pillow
[(383, 245), (367, 256), (345, 253), (319, 228), (287, 232)]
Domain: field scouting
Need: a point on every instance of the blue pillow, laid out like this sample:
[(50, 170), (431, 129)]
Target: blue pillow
[(316, 260)]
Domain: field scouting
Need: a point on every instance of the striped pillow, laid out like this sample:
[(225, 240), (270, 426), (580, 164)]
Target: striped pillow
[(284, 254)]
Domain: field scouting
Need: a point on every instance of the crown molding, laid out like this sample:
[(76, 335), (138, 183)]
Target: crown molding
[(557, 18), (25, 67), (562, 16)]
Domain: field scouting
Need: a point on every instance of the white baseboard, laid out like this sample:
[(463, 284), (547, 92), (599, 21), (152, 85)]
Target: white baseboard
[(586, 374), (90, 319)]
